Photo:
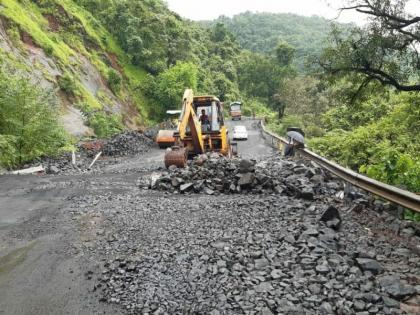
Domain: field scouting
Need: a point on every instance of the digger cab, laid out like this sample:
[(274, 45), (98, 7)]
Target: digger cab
[(211, 107), (201, 129)]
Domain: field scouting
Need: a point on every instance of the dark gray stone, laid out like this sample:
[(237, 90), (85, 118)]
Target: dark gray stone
[(332, 215), (246, 166), (395, 287), (390, 302), (307, 193), (367, 264)]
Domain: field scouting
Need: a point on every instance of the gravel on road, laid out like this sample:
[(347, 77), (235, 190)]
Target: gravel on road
[(285, 242)]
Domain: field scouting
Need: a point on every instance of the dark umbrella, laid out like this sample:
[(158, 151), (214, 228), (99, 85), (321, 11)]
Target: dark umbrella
[(296, 136)]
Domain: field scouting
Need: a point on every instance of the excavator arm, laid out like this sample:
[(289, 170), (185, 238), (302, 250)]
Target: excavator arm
[(189, 131), (188, 120)]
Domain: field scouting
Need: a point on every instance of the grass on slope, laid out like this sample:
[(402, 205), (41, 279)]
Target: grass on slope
[(76, 38)]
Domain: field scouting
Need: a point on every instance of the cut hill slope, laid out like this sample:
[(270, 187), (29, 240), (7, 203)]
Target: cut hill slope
[(62, 47)]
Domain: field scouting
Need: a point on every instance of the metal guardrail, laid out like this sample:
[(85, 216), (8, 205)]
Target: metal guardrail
[(399, 196)]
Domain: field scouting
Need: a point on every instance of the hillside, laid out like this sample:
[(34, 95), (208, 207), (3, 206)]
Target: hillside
[(261, 32), (60, 46)]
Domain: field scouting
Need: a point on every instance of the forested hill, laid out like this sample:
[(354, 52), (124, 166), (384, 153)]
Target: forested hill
[(261, 32)]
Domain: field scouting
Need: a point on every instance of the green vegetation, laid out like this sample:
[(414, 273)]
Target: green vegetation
[(166, 86), (28, 121), (355, 91), (384, 147), (159, 41), (67, 84), (114, 80), (374, 129), (261, 32), (105, 125), (75, 42)]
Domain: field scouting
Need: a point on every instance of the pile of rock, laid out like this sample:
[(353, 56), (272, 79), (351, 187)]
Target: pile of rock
[(127, 143), (256, 254), (214, 174)]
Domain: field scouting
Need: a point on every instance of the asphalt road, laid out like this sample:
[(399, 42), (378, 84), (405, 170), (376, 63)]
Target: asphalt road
[(42, 266), (63, 235), (255, 147)]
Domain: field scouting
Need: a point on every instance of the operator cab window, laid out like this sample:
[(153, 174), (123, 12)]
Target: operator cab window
[(207, 110), (213, 113)]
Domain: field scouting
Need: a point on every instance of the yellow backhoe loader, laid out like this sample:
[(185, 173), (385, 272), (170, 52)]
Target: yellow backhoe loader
[(200, 129)]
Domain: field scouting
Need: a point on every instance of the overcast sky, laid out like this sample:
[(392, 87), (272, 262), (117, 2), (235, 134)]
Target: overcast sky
[(211, 9)]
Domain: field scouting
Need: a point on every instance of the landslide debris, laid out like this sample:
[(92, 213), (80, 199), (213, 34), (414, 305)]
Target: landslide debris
[(243, 253), (215, 174), (128, 143), (253, 251)]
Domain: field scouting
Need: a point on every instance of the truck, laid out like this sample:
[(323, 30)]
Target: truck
[(235, 110)]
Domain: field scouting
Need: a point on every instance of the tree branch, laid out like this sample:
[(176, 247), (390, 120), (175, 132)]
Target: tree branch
[(364, 84), (372, 74), (392, 21)]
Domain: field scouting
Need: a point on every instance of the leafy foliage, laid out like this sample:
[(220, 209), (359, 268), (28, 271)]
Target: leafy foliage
[(261, 33), (67, 84), (385, 147), (263, 76), (159, 40), (385, 50), (28, 121), (114, 80), (105, 125), (167, 86)]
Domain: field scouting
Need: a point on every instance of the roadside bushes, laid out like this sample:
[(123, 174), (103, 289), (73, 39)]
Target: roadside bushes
[(105, 125), (385, 149), (7, 151), (29, 125)]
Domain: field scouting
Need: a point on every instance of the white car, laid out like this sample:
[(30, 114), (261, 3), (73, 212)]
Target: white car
[(240, 133)]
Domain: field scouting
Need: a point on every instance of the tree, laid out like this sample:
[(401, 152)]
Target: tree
[(386, 50), (303, 96), (259, 75), (263, 76), (285, 54), (29, 125), (168, 87)]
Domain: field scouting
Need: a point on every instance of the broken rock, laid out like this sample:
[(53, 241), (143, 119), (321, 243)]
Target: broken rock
[(331, 217), (246, 180), (186, 187), (371, 265)]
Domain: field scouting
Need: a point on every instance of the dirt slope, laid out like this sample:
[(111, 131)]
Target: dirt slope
[(61, 47)]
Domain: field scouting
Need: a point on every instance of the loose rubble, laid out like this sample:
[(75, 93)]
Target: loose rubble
[(127, 143), (215, 174), (254, 251), (288, 241)]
